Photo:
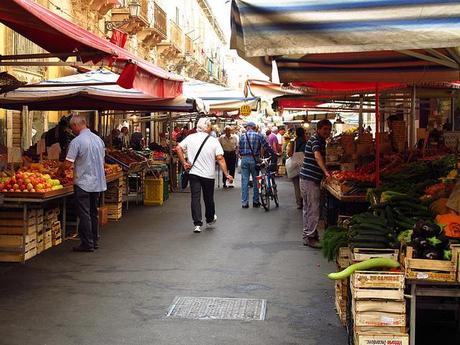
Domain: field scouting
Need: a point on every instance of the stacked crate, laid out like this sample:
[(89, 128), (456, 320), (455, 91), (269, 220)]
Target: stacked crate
[(341, 286), (378, 308), (53, 230), (113, 199), (18, 235)]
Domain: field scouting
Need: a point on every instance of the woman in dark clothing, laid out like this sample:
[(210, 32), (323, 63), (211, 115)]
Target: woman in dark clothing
[(297, 145)]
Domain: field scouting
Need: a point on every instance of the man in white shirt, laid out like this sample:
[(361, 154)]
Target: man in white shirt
[(203, 171)]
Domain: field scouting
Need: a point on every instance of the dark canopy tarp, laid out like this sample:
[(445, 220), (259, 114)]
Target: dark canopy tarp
[(96, 90), (359, 40)]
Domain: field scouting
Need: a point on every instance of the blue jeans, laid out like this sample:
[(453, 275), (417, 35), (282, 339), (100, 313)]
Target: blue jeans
[(248, 167)]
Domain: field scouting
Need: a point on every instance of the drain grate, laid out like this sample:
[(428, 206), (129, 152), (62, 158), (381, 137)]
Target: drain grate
[(215, 308)]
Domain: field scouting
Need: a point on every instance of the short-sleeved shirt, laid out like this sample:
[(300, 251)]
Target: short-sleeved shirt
[(87, 152), (252, 139), (310, 169), (229, 144), (273, 140), (205, 165)]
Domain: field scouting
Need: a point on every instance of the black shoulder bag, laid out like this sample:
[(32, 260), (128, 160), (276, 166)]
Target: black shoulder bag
[(258, 161), (185, 175)]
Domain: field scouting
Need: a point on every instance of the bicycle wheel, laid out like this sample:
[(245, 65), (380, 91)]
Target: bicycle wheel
[(264, 197), (275, 193)]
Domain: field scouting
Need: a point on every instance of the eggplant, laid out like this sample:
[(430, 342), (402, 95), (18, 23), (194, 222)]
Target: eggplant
[(430, 229), (420, 243), (432, 254), (418, 228)]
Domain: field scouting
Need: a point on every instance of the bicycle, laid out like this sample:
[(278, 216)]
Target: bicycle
[(267, 185)]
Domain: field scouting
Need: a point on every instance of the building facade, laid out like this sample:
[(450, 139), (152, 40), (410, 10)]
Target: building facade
[(181, 36)]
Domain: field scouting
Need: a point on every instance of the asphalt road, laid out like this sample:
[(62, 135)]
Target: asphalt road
[(121, 293)]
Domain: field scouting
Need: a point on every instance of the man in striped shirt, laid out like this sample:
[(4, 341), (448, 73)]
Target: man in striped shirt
[(312, 172)]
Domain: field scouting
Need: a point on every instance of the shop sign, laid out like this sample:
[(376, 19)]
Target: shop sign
[(245, 110)]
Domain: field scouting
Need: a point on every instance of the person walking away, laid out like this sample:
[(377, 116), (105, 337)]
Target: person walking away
[(137, 140), (229, 143), (202, 172), (297, 145), (86, 153), (312, 172), (252, 146)]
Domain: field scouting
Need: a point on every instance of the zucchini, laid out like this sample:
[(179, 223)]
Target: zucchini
[(376, 245), (389, 216), (369, 227), (368, 233), (371, 238), (363, 266)]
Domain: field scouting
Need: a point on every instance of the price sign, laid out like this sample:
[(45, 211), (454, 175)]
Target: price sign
[(245, 110)]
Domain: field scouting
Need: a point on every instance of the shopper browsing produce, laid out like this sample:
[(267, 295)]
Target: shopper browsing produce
[(312, 172), (86, 153)]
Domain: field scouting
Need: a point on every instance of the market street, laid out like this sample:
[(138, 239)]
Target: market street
[(121, 293)]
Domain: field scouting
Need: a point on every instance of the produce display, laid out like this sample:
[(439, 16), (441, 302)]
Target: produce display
[(125, 158), (364, 266), (26, 181)]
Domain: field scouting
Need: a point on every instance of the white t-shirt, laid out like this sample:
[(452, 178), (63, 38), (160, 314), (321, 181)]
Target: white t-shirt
[(205, 165)]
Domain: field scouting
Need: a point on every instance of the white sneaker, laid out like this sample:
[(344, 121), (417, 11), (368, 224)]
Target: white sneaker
[(212, 222), (197, 229)]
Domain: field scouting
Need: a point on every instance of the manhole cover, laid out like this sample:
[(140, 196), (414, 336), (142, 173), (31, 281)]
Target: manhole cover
[(214, 308)]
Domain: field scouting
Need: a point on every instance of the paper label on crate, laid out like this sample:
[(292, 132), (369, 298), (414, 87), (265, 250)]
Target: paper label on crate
[(387, 320), (422, 275)]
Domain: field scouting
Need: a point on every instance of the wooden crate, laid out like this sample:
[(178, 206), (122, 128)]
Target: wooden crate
[(13, 249), (47, 239), (361, 254), (372, 330), (56, 233), (379, 314), (430, 270), (343, 258), (103, 215), (377, 286), (341, 298), (40, 241), (381, 339), (114, 211), (12, 222)]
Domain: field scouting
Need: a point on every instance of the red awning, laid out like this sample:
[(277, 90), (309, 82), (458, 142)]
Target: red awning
[(58, 35)]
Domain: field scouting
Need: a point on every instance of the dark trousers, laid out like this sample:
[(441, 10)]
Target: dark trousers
[(197, 184), (88, 226), (230, 161)]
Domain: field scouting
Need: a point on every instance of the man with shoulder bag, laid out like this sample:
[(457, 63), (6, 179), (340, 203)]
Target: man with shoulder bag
[(202, 150), (251, 149)]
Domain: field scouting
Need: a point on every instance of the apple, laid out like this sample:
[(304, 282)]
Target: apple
[(15, 186), (27, 180), (22, 187), (11, 190), (30, 186), (4, 190), (32, 190), (39, 186)]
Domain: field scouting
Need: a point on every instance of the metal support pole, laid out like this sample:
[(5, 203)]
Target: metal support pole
[(361, 103), (411, 121), (377, 134)]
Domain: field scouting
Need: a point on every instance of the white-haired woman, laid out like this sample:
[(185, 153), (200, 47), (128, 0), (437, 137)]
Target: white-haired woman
[(202, 152)]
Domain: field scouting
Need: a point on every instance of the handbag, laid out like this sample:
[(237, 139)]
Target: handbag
[(257, 160), (294, 164), (185, 174)]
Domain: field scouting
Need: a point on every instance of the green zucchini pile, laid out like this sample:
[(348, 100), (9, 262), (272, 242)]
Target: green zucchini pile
[(379, 227)]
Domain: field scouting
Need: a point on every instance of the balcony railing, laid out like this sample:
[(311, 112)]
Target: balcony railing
[(176, 35), (159, 19), (188, 44)]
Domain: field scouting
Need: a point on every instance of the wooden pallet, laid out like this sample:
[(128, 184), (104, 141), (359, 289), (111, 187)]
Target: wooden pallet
[(381, 339), (430, 270), (361, 254)]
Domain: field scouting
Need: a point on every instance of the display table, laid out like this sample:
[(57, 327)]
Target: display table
[(420, 288), (25, 203), (338, 204)]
